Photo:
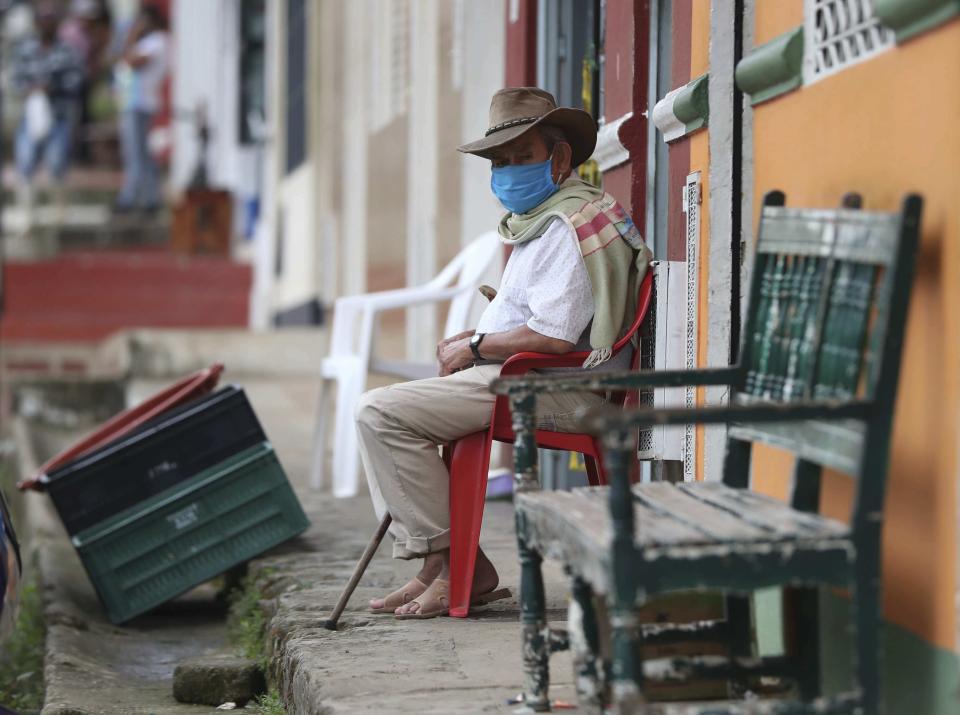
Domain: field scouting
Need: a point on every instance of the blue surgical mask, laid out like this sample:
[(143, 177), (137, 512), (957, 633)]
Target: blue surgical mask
[(521, 187)]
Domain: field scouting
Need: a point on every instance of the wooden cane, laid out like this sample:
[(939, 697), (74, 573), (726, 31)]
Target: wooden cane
[(331, 623)]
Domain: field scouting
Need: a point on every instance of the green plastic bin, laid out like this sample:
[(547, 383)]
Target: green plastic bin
[(166, 545)]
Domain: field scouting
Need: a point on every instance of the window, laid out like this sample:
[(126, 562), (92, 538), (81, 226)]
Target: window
[(570, 60), (569, 48), (251, 100), (839, 33), (296, 89)]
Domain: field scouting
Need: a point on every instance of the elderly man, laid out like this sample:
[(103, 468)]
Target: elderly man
[(570, 283)]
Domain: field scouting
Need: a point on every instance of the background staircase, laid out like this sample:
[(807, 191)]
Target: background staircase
[(87, 295)]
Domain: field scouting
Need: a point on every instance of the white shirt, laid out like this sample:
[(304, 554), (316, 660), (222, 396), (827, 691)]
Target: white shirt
[(140, 87), (545, 286)]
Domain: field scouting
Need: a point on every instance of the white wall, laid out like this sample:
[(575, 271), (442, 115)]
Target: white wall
[(357, 210), (288, 212), (264, 243), (482, 75), (297, 281), (483, 48), (205, 69)]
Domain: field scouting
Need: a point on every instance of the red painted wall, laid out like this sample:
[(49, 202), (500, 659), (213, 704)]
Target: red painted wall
[(619, 58), (618, 87), (625, 90), (625, 83), (521, 45)]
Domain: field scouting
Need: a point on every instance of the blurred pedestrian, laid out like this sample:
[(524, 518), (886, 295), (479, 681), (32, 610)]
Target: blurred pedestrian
[(88, 30), (139, 75), (48, 75)]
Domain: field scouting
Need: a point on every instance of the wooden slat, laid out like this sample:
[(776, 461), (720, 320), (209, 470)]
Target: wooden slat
[(651, 527), (841, 353), (584, 515), (837, 444), (679, 669), (667, 515), (867, 237), (575, 531), (864, 237), (696, 632), (766, 512), (716, 524), (785, 231), (843, 703), (570, 512)]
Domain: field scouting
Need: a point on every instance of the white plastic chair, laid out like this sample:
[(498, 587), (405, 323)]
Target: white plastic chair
[(351, 352)]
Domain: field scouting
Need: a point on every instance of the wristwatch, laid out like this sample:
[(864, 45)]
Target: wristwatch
[(475, 344)]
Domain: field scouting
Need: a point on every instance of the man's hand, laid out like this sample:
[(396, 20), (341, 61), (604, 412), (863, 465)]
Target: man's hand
[(453, 338), (454, 354)]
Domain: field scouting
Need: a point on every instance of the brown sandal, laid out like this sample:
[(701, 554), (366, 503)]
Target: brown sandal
[(439, 605), (402, 596)]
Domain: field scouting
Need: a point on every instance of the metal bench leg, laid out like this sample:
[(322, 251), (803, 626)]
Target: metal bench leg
[(533, 619), (802, 606), (585, 644), (533, 607), (866, 611), (626, 666), (740, 624), (625, 625)]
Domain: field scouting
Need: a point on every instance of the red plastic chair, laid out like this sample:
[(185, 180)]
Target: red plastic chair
[(469, 457)]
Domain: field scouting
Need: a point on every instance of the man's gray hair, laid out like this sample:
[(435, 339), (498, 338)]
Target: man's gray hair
[(552, 135)]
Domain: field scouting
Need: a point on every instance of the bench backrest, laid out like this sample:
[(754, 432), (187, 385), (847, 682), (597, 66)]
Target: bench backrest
[(826, 320)]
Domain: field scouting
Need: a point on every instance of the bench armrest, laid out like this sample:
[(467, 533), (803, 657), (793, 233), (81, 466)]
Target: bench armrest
[(618, 380), (605, 419)]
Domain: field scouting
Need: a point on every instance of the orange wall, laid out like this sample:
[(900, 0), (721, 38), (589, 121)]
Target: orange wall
[(883, 128), (886, 127), (772, 18), (700, 161)]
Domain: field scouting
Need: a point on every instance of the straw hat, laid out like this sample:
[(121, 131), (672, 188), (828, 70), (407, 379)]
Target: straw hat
[(517, 110)]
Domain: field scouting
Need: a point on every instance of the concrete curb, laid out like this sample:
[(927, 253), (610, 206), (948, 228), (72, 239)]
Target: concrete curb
[(42, 527), (374, 663), (81, 649)]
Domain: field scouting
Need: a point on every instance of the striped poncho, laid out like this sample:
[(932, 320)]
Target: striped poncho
[(613, 253)]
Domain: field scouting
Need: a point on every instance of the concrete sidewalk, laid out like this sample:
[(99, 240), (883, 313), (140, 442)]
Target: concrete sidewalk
[(376, 664)]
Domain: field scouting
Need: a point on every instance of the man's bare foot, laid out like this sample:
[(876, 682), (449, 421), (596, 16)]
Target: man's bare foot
[(485, 577), (485, 580), (405, 594), (432, 566)]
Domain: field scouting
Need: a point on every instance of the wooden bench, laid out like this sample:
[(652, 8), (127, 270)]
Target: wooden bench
[(817, 377)]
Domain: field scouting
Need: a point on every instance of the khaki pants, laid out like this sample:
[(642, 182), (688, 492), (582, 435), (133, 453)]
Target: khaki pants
[(400, 427)]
